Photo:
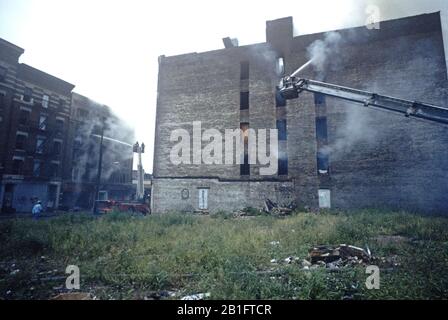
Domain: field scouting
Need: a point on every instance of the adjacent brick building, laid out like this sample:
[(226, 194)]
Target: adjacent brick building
[(35, 115), (49, 142), (376, 159)]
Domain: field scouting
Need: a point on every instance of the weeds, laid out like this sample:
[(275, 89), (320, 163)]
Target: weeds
[(126, 256)]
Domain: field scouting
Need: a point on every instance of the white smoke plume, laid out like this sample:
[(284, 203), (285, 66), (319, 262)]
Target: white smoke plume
[(325, 54)]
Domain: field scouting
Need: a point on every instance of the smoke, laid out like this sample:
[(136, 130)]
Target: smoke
[(263, 58), (353, 131), (330, 59), (325, 55), (117, 148)]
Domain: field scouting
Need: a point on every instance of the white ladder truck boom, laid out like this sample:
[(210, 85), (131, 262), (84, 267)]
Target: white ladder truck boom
[(140, 192), (291, 87)]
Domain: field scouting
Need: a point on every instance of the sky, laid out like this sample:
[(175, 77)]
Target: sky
[(109, 48)]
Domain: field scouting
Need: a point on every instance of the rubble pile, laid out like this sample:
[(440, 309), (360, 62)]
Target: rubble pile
[(274, 209), (335, 257), (331, 257)]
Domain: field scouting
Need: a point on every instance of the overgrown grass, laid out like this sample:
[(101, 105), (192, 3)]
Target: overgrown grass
[(127, 257)]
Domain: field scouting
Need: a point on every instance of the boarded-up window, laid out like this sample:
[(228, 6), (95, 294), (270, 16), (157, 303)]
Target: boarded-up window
[(203, 199), (324, 199)]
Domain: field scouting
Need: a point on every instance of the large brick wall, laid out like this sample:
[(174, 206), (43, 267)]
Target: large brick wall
[(378, 159)]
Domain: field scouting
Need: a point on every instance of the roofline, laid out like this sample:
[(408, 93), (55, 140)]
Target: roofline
[(12, 46), (302, 36), (32, 69)]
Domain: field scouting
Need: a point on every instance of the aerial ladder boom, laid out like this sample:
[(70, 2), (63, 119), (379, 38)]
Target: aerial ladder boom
[(291, 87)]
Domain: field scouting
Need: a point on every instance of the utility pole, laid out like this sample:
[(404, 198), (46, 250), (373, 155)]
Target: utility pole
[(98, 175)]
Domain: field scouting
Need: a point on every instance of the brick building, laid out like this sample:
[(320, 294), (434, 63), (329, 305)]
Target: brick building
[(49, 141), (86, 122), (34, 111), (376, 159)]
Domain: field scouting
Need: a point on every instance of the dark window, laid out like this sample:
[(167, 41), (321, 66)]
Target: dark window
[(244, 70), (20, 141), (323, 162), (3, 72), (57, 146), (45, 101), (2, 99), (24, 117), (54, 170), (319, 99), (43, 122), (281, 127), (40, 145), (245, 166), (279, 100), (59, 125), (321, 128), (17, 166), (61, 102), (28, 94), (244, 100), (37, 168), (81, 113), (283, 165), (96, 129)]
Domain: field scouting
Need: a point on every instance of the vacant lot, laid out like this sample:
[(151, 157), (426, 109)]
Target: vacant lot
[(130, 257)]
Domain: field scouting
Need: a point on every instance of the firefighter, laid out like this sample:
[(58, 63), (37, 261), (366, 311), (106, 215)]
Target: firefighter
[(37, 210)]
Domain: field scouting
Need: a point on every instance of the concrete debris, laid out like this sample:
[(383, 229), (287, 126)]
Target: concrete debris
[(345, 252), (306, 263), (14, 272), (247, 212), (274, 209), (198, 296), (290, 260)]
